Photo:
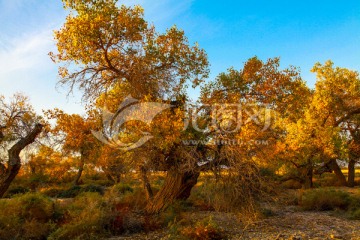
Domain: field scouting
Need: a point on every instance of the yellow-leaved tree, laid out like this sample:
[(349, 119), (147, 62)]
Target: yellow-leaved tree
[(103, 46), (19, 127), (322, 135), (75, 137)]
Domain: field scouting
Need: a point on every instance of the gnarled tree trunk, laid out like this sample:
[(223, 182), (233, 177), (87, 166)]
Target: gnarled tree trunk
[(14, 162), (146, 183), (177, 186), (110, 178), (351, 173), (337, 170), (308, 176), (80, 169)]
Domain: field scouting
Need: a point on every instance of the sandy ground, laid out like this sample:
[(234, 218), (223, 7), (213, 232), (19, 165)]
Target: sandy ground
[(287, 223)]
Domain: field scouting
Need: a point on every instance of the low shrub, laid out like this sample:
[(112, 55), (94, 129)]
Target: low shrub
[(268, 173), (354, 208), (136, 199), (100, 182), (266, 212), (93, 188), (127, 202), (204, 230), (35, 206), (53, 192), (74, 191), (224, 197), (173, 213), (127, 221), (216, 196), (27, 216), (327, 180), (36, 230), (88, 217), (291, 184), (70, 193), (325, 199), (355, 203), (355, 214), (123, 193), (37, 180), (17, 190), (123, 188)]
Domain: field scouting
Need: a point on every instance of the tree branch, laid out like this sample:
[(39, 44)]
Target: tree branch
[(347, 116), (15, 150)]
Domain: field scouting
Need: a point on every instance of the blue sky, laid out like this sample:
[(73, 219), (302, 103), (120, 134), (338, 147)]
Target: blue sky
[(300, 33)]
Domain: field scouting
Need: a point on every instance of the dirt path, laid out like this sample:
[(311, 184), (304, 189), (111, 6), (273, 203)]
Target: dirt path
[(293, 224), (287, 223)]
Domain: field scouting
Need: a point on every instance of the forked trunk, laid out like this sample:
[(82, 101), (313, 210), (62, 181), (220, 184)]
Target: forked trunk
[(177, 186), (308, 181), (80, 170), (351, 173), (146, 183), (339, 174), (14, 162)]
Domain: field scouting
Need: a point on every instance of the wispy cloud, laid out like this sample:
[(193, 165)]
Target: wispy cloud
[(26, 67), (26, 39), (9, 6), (24, 53)]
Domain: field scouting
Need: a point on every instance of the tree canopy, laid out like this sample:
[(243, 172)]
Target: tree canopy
[(102, 44)]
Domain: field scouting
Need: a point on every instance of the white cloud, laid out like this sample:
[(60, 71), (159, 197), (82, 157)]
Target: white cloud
[(12, 5), (27, 68), (25, 43), (24, 53)]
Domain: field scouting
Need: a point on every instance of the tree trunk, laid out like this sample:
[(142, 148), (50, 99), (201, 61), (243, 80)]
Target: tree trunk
[(177, 186), (337, 170), (110, 178), (80, 170), (308, 176), (351, 173), (117, 178), (146, 183), (14, 162)]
